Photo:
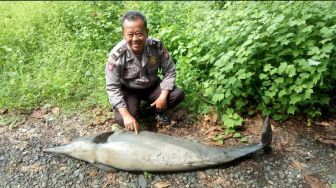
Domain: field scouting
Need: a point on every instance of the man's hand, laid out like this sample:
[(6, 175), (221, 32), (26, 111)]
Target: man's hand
[(161, 102), (130, 122)]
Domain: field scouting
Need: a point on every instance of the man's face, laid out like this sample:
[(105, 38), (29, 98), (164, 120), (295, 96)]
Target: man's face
[(135, 34)]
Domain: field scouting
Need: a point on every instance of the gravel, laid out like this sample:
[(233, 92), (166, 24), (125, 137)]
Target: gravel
[(296, 160)]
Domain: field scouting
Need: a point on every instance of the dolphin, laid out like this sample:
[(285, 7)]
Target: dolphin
[(152, 152)]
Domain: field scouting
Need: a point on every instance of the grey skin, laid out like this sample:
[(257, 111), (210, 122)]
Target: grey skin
[(149, 151)]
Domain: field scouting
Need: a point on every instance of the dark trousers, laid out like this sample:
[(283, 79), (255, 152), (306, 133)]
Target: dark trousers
[(133, 98)]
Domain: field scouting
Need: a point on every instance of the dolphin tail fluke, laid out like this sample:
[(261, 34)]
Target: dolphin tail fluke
[(266, 136)]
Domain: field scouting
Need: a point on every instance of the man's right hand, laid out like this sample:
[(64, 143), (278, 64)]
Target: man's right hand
[(131, 123)]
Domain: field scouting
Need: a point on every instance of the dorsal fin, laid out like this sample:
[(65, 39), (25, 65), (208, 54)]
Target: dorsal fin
[(102, 138)]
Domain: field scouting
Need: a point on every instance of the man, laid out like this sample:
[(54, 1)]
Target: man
[(132, 74)]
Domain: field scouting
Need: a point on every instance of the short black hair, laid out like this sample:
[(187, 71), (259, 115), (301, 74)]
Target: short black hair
[(133, 15)]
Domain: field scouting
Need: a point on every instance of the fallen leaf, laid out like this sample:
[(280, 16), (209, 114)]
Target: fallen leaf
[(322, 123), (219, 181), (162, 184), (93, 173), (55, 111), (314, 182), (212, 129), (38, 113), (109, 180), (298, 165), (3, 111), (201, 175), (330, 139)]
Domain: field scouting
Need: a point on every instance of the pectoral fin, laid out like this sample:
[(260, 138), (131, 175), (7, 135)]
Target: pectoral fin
[(105, 168)]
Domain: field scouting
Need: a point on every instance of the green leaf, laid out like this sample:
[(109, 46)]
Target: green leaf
[(307, 29), (324, 100), (217, 97), (262, 76), (304, 75), (237, 135), (292, 109), (308, 93), (298, 89), (282, 93), (267, 67), (279, 80), (240, 103), (229, 111), (326, 32), (313, 62), (278, 19), (282, 67), (327, 48), (291, 70), (273, 71), (209, 91), (294, 99), (243, 139), (229, 122), (313, 51), (229, 130)]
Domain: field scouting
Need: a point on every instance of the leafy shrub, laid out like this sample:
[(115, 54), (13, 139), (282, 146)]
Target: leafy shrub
[(275, 56), (240, 57)]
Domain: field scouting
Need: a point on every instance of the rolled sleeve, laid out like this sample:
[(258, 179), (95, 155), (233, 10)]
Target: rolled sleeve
[(113, 85), (168, 70)]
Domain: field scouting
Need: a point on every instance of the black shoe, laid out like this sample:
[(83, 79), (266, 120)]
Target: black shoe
[(162, 117)]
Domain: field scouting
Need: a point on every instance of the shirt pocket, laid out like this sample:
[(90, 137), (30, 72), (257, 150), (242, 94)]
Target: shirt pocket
[(131, 73), (152, 69)]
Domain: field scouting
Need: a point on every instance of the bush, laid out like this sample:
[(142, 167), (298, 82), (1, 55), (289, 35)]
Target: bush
[(275, 57), (240, 57)]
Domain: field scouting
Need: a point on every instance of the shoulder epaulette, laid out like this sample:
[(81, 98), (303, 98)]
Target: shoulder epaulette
[(156, 43), (118, 52)]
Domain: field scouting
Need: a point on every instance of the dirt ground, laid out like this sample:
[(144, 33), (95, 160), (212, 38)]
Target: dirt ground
[(301, 155)]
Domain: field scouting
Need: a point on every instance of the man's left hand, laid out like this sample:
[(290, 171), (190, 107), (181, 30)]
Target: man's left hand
[(161, 102)]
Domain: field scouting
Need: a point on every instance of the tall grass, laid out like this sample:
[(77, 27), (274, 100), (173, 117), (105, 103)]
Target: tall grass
[(241, 57)]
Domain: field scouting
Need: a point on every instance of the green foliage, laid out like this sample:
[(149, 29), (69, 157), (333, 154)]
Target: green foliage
[(276, 57), (239, 57), (9, 121), (55, 52)]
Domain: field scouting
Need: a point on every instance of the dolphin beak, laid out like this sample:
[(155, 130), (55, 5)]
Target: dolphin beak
[(59, 149)]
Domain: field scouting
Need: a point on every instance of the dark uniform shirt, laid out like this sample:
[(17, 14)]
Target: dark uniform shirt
[(124, 68)]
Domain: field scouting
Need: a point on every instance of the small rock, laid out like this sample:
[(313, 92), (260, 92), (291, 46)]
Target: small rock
[(268, 168), (281, 175), (131, 185), (76, 173), (142, 181), (291, 158), (81, 177), (191, 178), (157, 178)]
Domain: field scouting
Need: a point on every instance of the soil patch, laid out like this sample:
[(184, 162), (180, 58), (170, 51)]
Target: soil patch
[(301, 156)]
